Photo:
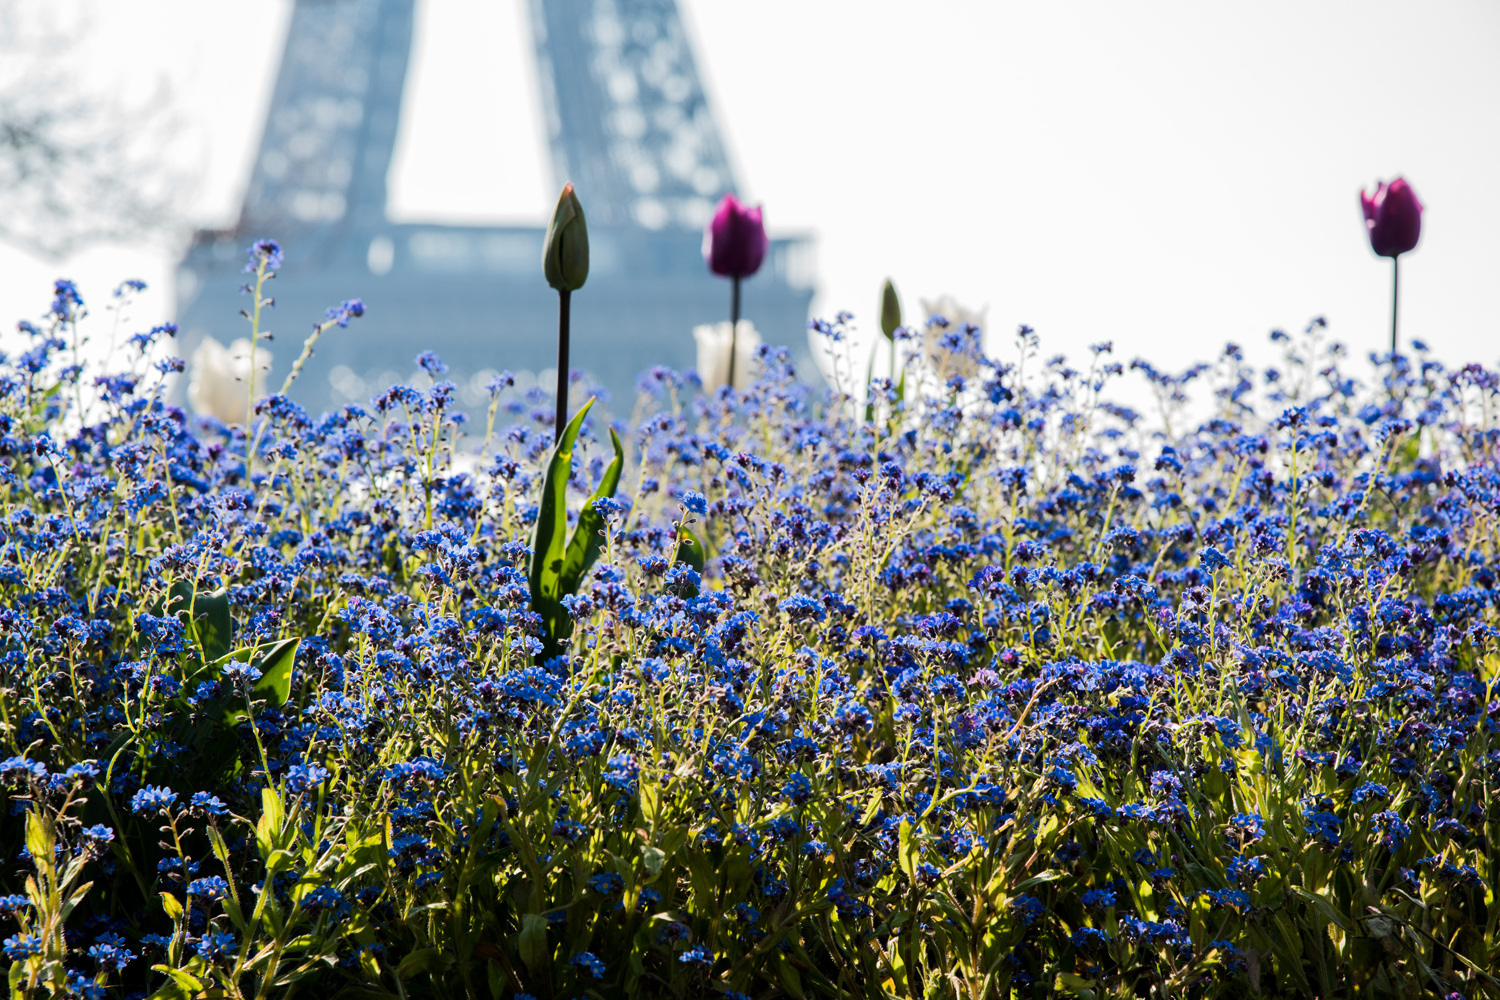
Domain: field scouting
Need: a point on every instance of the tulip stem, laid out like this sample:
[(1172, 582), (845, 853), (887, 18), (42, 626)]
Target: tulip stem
[(1395, 298), (734, 323), (563, 297)]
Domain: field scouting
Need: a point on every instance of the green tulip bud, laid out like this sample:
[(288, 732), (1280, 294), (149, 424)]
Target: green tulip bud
[(890, 310), (565, 254)]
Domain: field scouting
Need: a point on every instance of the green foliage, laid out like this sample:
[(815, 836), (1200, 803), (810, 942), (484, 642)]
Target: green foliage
[(588, 535), (206, 616), (556, 568)]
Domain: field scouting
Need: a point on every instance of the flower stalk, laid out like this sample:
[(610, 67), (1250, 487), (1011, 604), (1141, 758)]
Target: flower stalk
[(1393, 220), (734, 323), (734, 246), (564, 308), (1395, 299)]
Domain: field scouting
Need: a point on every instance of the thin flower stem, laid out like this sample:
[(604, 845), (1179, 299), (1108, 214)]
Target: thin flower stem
[(1395, 299), (734, 324), (286, 386), (564, 297)]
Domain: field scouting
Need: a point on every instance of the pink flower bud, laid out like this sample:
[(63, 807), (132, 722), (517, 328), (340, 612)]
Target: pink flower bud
[(1393, 216), (734, 244)]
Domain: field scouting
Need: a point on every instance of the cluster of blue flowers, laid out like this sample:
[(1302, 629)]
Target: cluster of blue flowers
[(973, 683)]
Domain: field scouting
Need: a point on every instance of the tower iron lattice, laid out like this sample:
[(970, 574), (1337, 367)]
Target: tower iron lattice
[(627, 121)]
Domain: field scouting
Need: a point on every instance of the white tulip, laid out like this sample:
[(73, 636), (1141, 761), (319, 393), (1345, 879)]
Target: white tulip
[(220, 378), (713, 354)]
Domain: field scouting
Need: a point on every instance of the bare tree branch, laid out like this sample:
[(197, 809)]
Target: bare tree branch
[(77, 166)]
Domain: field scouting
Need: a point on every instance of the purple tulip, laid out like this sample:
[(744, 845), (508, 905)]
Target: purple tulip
[(1393, 216), (735, 242)]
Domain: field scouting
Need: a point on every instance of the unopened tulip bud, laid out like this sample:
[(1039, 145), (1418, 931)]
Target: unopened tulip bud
[(565, 254), (1393, 216), (890, 311), (734, 244)]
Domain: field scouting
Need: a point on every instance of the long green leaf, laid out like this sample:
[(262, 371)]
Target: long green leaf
[(532, 941), (274, 683), (208, 617), (275, 667), (691, 551), (418, 961), (549, 538), (585, 545), (39, 842)]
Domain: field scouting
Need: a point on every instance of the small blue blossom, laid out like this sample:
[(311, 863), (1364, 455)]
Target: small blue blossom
[(20, 947), (211, 888), (152, 799), (585, 960), (342, 313), (217, 946)]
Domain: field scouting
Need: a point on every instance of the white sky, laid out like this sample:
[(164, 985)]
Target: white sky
[(1163, 175)]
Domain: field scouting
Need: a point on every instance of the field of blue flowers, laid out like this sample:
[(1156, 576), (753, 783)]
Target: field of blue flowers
[(989, 687)]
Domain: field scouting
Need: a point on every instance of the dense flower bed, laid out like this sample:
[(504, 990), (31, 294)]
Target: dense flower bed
[(989, 688)]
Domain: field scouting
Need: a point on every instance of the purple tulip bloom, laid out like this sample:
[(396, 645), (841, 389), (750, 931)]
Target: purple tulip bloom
[(735, 242), (1394, 217)]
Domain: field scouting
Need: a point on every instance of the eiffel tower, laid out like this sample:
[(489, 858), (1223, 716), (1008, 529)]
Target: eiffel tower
[(627, 123)]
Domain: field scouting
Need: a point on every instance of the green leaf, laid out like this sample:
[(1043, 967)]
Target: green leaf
[(417, 962), (549, 537), (275, 667), (1035, 880), (1324, 907), (75, 898), (173, 990), (186, 980), (236, 916), (39, 841), (703, 877), (909, 854), (532, 941), (1076, 984), (268, 827), (690, 552), (221, 849), (650, 799), (585, 545), (791, 980), (171, 906), (207, 616), (275, 683)]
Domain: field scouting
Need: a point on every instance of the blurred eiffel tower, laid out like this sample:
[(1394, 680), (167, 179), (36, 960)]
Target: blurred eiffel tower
[(627, 123)]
